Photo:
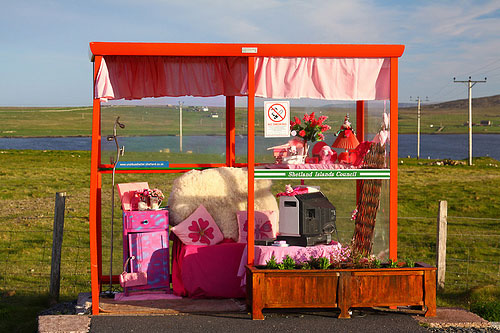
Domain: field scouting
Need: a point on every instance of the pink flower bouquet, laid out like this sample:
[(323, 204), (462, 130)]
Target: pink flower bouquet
[(310, 128)]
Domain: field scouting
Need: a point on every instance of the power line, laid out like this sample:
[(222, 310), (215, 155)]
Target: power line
[(443, 88), (494, 75), (476, 71), (489, 70), (453, 95), (448, 96), (470, 83)]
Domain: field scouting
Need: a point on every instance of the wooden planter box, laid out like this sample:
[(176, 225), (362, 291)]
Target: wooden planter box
[(341, 288)]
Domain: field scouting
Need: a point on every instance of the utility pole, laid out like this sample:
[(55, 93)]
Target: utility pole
[(180, 126), (470, 84), (418, 124)]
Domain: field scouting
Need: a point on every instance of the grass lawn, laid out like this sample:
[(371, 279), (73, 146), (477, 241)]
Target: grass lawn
[(31, 178), (153, 120)]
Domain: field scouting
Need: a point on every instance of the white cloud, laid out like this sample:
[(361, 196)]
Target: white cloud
[(442, 38)]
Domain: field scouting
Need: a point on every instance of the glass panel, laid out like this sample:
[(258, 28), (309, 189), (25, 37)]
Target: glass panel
[(374, 124), (334, 110), (381, 232), (340, 193), (152, 131)]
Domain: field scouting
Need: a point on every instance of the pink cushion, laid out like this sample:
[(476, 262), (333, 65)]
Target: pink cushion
[(199, 229), (265, 225)]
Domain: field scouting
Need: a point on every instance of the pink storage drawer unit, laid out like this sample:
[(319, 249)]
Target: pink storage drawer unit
[(143, 221), (145, 236)]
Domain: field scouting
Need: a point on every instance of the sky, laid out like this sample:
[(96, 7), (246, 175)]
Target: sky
[(44, 45)]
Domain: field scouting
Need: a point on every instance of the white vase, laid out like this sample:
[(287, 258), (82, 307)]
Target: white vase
[(306, 150), (142, 205), (155, 203)]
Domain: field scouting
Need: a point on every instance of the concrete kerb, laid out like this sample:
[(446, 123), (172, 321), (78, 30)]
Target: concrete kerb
[(495, 325), (453, 317), (64, 324), (80, 322)]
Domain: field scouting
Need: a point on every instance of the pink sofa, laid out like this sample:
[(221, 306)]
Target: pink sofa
[(207, 271), (212, 271)]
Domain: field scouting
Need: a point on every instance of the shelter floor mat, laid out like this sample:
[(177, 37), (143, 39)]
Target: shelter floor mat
[(109, 306)]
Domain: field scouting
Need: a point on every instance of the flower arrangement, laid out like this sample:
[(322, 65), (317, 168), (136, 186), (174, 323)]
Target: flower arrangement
[(149, 198), (156, 193), (143, 195), (309, 128)]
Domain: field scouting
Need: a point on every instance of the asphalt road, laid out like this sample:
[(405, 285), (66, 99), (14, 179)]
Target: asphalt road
[(283, 321)]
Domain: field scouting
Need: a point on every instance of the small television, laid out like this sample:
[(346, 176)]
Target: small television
[(307, 219)]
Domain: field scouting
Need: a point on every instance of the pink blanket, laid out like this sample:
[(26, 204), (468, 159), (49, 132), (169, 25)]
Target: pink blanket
[(298, 253), (207, 271)]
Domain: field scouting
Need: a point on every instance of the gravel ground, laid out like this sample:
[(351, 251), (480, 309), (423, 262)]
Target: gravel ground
[(70, 308), (464, 329), (65, 308)]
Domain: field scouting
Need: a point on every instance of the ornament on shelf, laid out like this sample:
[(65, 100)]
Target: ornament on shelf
[(346, 139)]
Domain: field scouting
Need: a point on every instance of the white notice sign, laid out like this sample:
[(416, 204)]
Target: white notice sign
[(277, 119)]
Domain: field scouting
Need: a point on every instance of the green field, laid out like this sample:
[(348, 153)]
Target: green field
[(30, 178), (164, 120), (449, 120)]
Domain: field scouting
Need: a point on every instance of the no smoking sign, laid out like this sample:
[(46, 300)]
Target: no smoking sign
[(276, 119)]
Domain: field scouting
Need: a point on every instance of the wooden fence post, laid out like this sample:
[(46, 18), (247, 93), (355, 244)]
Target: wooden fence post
[(57, 239), (442, 226)]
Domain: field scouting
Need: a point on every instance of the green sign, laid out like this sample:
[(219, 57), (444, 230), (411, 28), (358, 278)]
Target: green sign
[(322, 174)]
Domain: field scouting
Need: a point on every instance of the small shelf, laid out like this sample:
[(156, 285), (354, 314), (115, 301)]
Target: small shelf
[(322, 174)]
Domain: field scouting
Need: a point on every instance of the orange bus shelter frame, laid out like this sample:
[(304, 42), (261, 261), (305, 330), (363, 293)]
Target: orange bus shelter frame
[(250, 51)]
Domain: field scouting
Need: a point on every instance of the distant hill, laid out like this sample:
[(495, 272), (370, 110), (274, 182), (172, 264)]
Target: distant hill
[(488, 101)]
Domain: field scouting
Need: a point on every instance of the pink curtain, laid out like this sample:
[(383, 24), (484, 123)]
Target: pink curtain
[(136, 77), (323, 78)]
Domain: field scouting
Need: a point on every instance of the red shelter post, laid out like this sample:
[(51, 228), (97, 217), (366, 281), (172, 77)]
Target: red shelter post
[(251, 158), (393, 187), (230, 131), (360, 134), (95, 207)]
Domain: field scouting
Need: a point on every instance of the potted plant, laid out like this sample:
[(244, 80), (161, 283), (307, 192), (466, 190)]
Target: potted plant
[(342, 281)]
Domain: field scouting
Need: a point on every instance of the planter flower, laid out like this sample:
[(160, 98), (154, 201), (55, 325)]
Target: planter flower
[(339, 258), (342, 281)]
